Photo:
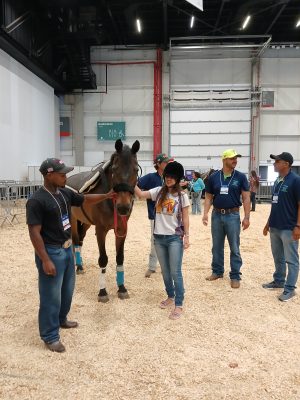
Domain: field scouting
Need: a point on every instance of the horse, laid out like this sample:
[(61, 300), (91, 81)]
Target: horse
[(121, 175)]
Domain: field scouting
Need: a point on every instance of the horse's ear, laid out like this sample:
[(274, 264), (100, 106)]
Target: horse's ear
[(119, 145), (135, 147)]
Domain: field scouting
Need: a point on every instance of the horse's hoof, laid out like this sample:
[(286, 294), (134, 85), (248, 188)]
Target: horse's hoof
[(103, 299), (123, 295), (80, 271)]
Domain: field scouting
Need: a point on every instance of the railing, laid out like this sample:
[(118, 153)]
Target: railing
[(264, 193), (13, 197)]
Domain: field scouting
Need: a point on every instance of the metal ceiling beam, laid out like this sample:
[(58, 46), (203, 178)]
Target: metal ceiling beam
[(18, 22), (196, 18), (13, 49), (219, 16), (113, 21), (165, 23), (277, 16)]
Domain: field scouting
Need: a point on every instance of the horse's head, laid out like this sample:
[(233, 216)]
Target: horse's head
[(124, 167)]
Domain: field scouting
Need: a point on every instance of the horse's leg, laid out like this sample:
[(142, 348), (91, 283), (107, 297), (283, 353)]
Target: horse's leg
[(81, 232), (75, 224), (102, 261), (122, 291)]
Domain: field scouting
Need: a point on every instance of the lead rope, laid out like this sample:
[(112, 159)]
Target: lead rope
[(124, 221)]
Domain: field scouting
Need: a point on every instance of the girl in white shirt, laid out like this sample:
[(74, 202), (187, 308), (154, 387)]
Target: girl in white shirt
[(171, 233)]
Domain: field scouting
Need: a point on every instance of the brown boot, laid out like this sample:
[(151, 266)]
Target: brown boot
[(69, 324), (214, 277), (235, 284), (57, 346)]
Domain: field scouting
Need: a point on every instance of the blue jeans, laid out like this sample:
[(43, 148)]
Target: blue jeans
[(152, 255), (55, 292), (223, 225), (169, 250), (196, 202), (285, 251)]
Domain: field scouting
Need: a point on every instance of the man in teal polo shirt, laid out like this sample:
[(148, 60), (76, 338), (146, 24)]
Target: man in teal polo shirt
[(224, 190), (284, 226)]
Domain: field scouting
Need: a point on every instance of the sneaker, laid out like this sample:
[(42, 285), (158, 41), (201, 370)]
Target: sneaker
[(148, 273), (273, 285), (286, 296), (57, 346)]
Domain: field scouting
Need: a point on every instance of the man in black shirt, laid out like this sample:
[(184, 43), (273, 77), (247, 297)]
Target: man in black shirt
[(48, 214)]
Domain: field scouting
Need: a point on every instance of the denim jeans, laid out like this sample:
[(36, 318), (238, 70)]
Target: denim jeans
[(223, 225), (285, 251), (196, 202), (169, 250), (55, 292), (152, 255)]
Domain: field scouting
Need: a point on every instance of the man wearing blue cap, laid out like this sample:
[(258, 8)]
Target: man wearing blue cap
[(284, 226), (224, 189)]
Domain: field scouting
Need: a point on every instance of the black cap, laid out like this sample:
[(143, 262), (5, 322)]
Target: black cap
[(283, 156), (54, 165)]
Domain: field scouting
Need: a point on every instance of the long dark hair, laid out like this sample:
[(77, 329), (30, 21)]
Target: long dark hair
[(164, 191)]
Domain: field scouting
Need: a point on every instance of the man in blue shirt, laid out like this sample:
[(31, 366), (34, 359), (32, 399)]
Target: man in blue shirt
[(147, 182), (224, 189), (284, 226)]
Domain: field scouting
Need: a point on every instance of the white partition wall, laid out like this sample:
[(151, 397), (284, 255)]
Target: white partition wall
[(210, 111), (28, 120), (280, 124)]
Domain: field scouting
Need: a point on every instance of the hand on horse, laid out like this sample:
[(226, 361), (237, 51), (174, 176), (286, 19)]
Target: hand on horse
[(49, 268)]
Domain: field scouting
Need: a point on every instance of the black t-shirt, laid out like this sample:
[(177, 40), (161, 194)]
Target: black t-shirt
[(42, 209)]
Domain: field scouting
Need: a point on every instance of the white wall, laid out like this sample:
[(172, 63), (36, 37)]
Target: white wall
[(129, 98), (29, 125), (280, 125)]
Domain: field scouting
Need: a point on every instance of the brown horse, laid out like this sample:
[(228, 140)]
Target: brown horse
[(121, 176)]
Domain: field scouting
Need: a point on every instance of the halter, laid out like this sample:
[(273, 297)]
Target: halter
[(124, 219)]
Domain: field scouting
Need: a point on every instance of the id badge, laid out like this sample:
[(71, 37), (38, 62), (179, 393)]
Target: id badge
[(275, 199), (224, 190), (65, 222)]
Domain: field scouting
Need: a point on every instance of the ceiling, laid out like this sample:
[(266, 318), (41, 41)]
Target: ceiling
[(52, 37)]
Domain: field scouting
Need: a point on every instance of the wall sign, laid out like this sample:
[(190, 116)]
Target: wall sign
[(64, 124), (111, 130), (267, 99)]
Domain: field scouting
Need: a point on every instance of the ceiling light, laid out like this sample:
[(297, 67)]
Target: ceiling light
[(298, 23), (138, 24), (192, 21), (246, 21)]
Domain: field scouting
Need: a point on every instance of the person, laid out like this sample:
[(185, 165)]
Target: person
[(171, 233), (284, 226), (147, 182), (196, 185), (254, 185), (224, 189), (48, 215)]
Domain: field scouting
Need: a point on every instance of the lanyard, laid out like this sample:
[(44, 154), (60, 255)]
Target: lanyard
[(277, 192), (58, 202), (229, 181)]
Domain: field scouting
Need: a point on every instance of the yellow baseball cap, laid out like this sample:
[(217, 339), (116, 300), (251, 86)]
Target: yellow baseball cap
[(230, 153)]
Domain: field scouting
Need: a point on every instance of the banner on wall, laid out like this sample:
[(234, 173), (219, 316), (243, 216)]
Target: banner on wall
[(64, 124), (111, 130)]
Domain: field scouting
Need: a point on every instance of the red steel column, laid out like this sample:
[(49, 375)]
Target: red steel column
[(157, 105)]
